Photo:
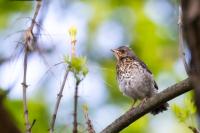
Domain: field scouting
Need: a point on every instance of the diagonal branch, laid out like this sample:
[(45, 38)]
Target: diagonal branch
[(162, 97), (39, 2), (59, 96), (90, 127)]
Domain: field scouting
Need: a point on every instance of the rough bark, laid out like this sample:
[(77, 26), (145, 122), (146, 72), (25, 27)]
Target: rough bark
[(191, 32)]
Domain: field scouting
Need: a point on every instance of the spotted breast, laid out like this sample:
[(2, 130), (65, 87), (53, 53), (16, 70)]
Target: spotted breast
[(134, 81), (134, 78)]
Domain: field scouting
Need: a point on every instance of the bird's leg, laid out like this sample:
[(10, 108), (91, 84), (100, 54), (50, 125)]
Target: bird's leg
[(143, 102), (133, 105)]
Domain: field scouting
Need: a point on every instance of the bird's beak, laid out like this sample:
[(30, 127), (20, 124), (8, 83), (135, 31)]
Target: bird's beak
[(114, 50)]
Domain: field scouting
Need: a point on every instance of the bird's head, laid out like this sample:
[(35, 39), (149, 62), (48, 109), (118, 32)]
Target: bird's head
[(122, 52)]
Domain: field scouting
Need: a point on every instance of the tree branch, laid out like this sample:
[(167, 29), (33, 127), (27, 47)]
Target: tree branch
[(28, 42), (90, 127), (75, 123), (24, 86), (194, 130), (162, 97), (181, 42), (59, 96), (191, 33)]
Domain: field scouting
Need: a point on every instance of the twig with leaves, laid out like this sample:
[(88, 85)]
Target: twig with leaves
[(80, 70), (28, 45), (76, 65), (187, 112)]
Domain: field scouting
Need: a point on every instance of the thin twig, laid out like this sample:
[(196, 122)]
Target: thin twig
[(75, 123), (90, 127), (194, 130), (29, 39), (132, 115), (24, 85), (39, 3), (181, 43), (59, 96), (33, 123)]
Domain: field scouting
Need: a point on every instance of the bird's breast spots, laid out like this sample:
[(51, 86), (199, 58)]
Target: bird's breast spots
[(124, 84)]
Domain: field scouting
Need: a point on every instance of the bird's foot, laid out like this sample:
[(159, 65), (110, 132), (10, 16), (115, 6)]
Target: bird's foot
[(131, 108), (132, 105), (143, 102)]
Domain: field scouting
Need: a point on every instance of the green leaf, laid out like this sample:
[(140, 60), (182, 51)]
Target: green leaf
[(67, 59), (8, 10), (189, 103), (77, 64), (180, 113), (85, 71), (139, 126), (37, 110)]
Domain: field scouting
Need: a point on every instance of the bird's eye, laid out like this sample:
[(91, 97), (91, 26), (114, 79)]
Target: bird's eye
[(122, 51)]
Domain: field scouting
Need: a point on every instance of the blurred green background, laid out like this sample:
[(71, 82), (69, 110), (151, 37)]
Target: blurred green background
[(149, 27)]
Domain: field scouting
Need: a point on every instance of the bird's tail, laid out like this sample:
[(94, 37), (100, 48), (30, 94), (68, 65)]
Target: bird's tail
[(160, 108)]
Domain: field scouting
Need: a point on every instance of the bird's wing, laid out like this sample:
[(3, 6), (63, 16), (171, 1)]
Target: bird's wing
[(147, 69), (155, 85), (143, 65)]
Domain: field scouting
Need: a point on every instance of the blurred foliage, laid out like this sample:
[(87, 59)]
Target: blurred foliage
[(9, 8), (187, 112), (109, 74), (37, 110), (154, 43), (139, 126), (151, 42)]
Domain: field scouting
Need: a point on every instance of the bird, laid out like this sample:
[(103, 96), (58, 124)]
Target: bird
[(134, 78)]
